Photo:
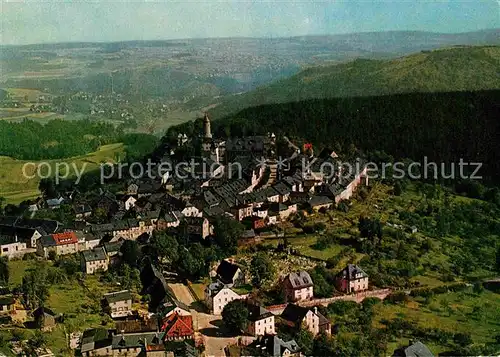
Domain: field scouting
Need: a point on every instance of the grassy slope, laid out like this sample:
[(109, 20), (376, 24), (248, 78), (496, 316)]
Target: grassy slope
[(453, 69), (458, 318), (16, 188), (79, 303)]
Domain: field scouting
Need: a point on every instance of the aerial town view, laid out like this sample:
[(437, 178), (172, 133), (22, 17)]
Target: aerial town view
[(237, 178)]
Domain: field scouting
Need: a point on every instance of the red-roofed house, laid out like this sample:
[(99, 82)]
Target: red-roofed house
[(60, 243), (178, 327)]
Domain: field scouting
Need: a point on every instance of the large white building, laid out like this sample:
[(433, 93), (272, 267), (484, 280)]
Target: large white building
[(218, 295)]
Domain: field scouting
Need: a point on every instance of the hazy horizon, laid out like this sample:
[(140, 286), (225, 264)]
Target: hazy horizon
[(251, 37), (35, 22)]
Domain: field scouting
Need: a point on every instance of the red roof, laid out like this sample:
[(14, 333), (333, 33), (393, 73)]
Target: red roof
[(65, 238), (177, 325)]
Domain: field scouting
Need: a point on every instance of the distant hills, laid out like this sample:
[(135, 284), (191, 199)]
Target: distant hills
[(195, 73), (452, 69)]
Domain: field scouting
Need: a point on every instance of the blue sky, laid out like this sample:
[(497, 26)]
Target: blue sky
[(60, 21)]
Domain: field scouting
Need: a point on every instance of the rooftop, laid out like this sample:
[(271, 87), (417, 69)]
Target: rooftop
[(118, 296), (94, 255)]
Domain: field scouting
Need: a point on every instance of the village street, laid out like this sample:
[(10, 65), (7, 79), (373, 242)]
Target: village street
[(203, 323)]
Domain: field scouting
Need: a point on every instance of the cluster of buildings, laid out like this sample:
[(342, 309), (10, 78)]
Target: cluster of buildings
[(167, 329), (297, 287), (267, 190)]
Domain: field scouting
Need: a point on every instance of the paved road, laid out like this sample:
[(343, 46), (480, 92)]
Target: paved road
[(205, 324)]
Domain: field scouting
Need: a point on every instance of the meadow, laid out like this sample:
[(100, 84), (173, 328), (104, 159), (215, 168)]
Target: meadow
[(15, 187)]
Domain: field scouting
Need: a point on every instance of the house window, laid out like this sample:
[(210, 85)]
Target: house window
[(5, 249)]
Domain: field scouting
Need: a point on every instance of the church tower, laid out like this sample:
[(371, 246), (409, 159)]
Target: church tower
[(207, 134), (206, 144)]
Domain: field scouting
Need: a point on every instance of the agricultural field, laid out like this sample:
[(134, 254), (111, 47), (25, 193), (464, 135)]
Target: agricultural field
[(15, 187)]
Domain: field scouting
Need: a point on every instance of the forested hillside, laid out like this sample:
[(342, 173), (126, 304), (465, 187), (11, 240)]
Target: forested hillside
[(452, 69), (441, 126), (58, 139)]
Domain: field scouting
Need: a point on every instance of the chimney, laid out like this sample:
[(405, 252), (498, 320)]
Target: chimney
[(315, 310)]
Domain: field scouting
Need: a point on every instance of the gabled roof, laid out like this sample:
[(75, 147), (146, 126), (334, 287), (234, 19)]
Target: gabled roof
[(300, 280), (59, 239), (113, 297), (417, 349), (112, 247), (20, 232), (226, 271), (274, 346), (319, 200), (7, 300), (137, 340), (270, 192), (94, 255), (282, 188), (94, 339), (351, 270), (82, 208), (256, 312), (276, 207), (294, 313), (177, 325), (43, 311)]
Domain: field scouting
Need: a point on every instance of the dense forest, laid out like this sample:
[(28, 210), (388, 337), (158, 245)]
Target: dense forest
[(445, 127), (445, 70), (58, 139)]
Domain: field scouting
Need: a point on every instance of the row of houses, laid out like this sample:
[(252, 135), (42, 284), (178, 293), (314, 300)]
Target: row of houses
[(297, 286)]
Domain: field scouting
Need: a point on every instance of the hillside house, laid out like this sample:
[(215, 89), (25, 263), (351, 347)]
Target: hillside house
[(11, 247), (273, 346), (298, 286), (283, 190), (45, 319), (352, 279), (298, 316), (217, 295), (148, 344), (320, 202), (171, 305), (93, 261), (281, 210), (96, 342), (260, 321), (59, 243), (414, 349), (242, 211), (28, 235), (7, 304), (197, 227), (168, 220), (119, 303), (82, 211), (230, 274)]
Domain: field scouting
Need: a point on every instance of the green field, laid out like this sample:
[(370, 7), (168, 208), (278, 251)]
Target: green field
[(15, 187), (452, 312)]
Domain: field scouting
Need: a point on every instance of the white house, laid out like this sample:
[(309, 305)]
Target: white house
[(217, 295), (260, 321)]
